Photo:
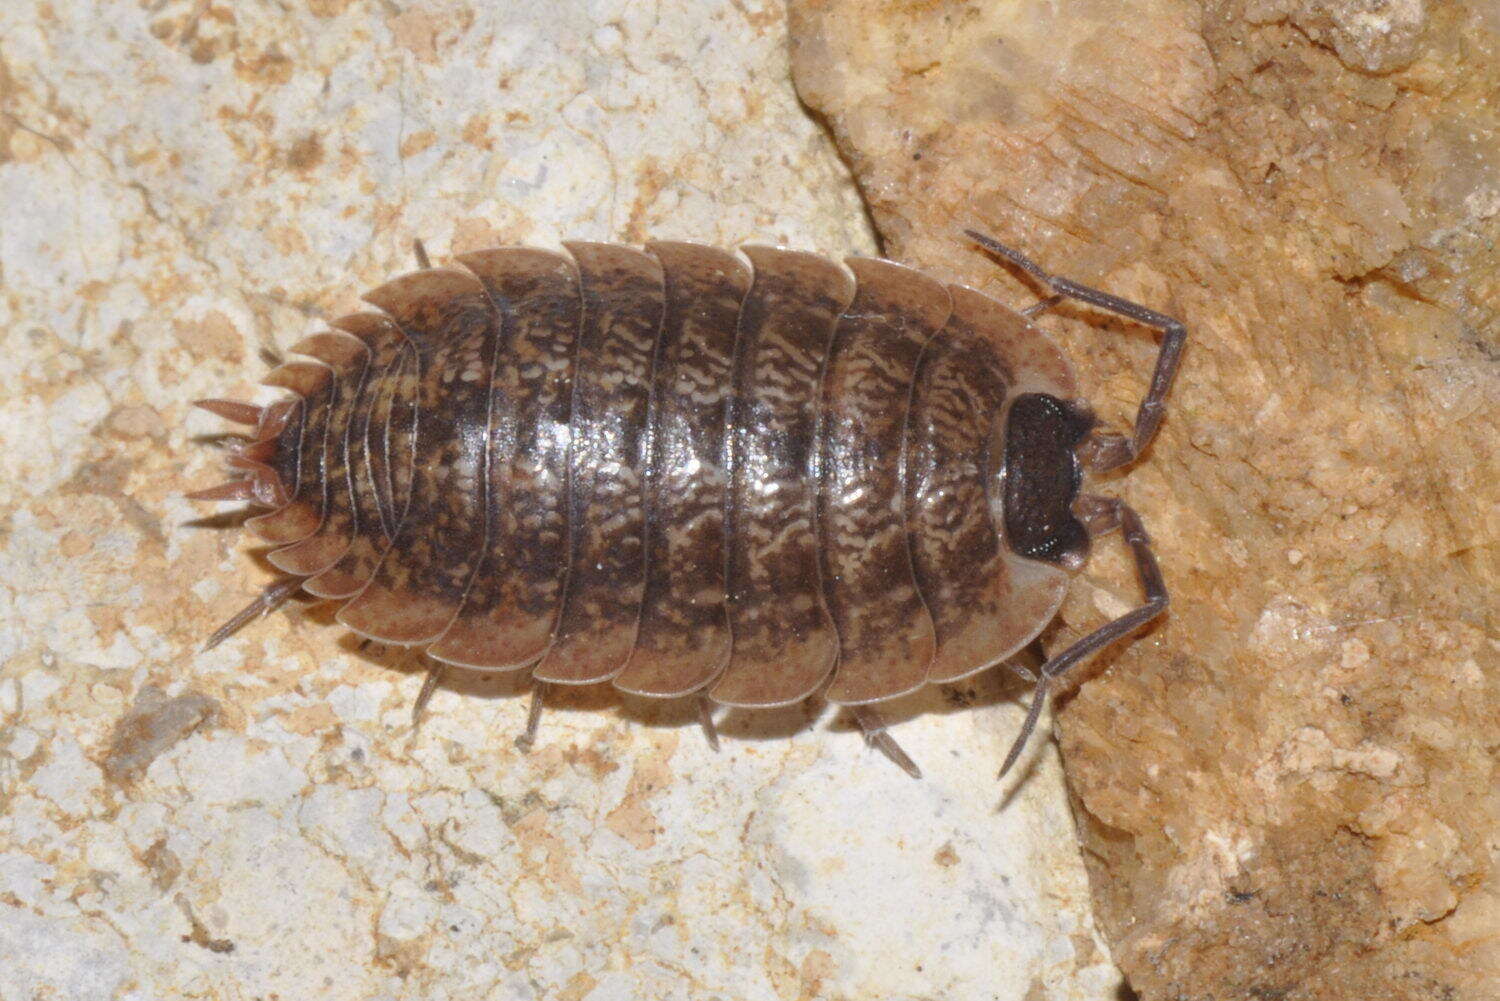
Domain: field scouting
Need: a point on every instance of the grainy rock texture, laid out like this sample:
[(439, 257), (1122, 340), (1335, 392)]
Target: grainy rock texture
[(1289, 789), (185, 185)]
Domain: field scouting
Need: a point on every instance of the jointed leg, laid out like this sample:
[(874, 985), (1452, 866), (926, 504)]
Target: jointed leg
[(1038, 308), (1110, 451), (1034, 652), (273, 597), (873, 728), (1156, 602), (423, 262), (533, 715), (434, 678), (706, 720)]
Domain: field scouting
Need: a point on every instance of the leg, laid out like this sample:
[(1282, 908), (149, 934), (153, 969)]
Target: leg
[(422, 260), (1156, 602), (273, 597), (533, 715), (706, 720), (1038, 308), (1034, 652), (434, 677), (1108, 452), (873, 728), (1100, 515)]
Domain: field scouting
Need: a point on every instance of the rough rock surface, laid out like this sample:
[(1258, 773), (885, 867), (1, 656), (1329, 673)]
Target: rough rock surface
[(186, 185), (1289, 789)]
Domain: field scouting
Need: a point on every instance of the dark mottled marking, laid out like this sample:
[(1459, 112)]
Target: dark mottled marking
[(684, 640), (370, 539), (421, 581), (508, 619), (785, 642), (621, 291), (348, 359), (984, 606), (886, 639), (672, 471)]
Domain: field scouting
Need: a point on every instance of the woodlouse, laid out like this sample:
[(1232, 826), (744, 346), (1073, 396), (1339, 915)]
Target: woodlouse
[(688, 472)]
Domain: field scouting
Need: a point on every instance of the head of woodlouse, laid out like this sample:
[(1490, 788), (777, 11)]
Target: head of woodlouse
[(1041, 471)]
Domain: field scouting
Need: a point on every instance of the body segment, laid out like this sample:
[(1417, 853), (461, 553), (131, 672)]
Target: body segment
[(421, 580), (512, 606), (621, 297), (684, 639), (785, 643), (886, 639)]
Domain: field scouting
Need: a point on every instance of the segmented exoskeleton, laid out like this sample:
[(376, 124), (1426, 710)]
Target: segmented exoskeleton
[(688, 472)]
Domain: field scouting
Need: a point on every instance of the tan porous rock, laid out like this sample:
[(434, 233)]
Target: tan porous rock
[(1288, 789)]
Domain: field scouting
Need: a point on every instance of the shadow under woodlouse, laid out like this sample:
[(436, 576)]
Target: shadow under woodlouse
[(995, 686), (987, 688)]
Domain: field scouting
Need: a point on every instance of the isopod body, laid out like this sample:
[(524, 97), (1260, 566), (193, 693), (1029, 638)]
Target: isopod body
[(682, 470)]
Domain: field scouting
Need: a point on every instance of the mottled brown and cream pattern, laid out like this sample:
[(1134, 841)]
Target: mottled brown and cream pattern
[(348, 359), (984, 604), (621, 292), (684, 639), (886, 639), (421, 581), (678, 469), (784, 639), (508, 619), (368, 537)]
